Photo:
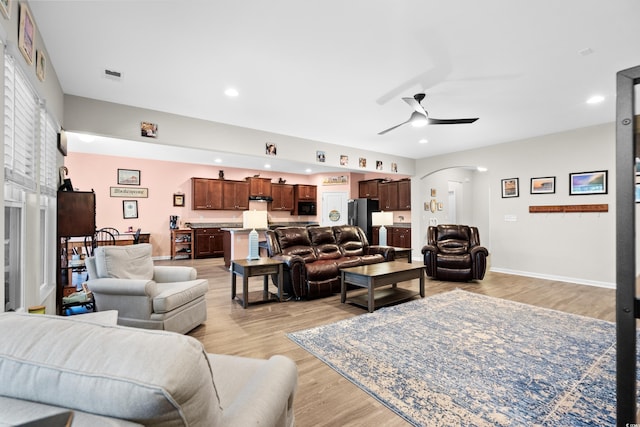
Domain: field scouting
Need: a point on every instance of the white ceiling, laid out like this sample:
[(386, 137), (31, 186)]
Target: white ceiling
[(336, 70)]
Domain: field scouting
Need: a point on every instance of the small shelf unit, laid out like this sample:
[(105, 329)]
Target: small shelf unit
[(182, 243)]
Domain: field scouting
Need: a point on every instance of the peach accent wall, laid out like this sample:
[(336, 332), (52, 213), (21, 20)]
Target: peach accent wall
[(163, 179)]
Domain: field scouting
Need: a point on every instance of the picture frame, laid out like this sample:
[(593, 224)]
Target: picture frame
[(128, 192), (148, 129), (178, 199), (510, 187), (344, 160), (128, 177), (362, 162), (26, 34), (320, 156), (5, 8), (584, 183), (379, 165), (62, 142), (129, 209), (543, 185), (270, 149), (41, 65), (394, 167)]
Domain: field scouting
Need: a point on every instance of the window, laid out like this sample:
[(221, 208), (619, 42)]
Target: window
[(13, 298)]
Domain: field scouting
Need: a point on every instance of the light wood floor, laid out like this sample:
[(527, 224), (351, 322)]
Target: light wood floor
[(324, 397)]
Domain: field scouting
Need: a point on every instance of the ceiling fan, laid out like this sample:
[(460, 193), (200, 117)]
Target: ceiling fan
[(420, 117)]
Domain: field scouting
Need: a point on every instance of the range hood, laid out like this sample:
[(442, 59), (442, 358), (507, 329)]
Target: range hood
[(261, 198)]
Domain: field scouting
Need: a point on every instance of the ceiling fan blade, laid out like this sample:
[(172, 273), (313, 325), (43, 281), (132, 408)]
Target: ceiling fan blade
[(392, 128), (415, 104), (433, 121)]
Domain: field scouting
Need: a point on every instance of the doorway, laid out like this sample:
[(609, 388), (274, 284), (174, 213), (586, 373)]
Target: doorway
[(334, 208)]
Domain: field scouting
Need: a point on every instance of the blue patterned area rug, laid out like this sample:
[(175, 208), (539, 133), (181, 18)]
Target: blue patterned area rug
[(464, 359)]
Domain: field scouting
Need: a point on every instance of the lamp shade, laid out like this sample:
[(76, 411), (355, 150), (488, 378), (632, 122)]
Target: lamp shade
[(254, 219), (382, 218)]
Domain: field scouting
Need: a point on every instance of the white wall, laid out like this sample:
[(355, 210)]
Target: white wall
[(578, 247)]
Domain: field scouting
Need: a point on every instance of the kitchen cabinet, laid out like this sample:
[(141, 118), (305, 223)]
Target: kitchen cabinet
[(235, 195), (206, 193), (282, 197), (388, 196), (368, 189), (399, 237), (404, 195), (260, 187), (305, 192), (209, 242)]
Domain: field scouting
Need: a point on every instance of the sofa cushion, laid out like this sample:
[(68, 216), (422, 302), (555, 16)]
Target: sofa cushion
[(169, 383), (174, 295), (350, 240), (322, 270), (124, 262), (453, 246)]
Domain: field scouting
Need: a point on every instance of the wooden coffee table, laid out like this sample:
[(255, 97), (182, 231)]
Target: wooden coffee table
[(382, 274)]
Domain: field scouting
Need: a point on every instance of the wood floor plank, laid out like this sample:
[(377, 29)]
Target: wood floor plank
[(324, 397)]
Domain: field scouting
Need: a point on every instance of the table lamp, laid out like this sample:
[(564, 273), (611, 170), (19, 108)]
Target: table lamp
[(382, 219), (254, 219)]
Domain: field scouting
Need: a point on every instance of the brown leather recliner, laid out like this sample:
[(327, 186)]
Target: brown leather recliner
[(453, 253)]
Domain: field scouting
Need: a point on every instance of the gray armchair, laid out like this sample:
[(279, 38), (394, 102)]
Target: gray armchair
[(123, 278)]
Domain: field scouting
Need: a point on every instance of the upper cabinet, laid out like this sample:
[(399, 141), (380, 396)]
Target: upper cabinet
[(206, 193), (235, 195), (305, 192), (282, 197), (259, 187), (368, 189), (395, 195)]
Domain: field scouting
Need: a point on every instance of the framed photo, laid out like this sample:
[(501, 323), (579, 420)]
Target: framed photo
[(41, 64), (320, 157), (270, 149), (433, 192), (178, 199), (510, 187), (545, 185), (379, 165), (588, 183), (5, 8), (26, 34), (128, 177), (148, 129), (362, 162), (62, 142), (344, 160), (130, 209)]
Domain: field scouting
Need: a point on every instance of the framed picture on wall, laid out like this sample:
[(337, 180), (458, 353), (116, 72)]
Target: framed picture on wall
[(26, 34), (588, 183), (510, 187), (546, 185), (129, 209), (128, 177), (5, 8), (178, 199)]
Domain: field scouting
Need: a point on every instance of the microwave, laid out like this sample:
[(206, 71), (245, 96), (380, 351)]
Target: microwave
[(306, 208)]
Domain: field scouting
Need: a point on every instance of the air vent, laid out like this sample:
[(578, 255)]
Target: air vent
[(112, 74)]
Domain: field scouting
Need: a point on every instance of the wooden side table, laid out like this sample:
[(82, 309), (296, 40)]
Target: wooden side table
[(403, 253), (259, 267)]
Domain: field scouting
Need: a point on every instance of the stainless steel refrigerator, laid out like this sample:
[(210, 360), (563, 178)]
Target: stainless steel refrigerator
[(359, 213)]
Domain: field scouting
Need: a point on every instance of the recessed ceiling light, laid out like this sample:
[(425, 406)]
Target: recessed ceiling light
[(307, 170), (218, 160), (482, 169), (231, 92), (268, 166), (423, 141), (596, 99)]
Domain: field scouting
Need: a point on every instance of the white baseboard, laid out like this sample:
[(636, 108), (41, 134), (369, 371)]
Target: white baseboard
[(578, 281)]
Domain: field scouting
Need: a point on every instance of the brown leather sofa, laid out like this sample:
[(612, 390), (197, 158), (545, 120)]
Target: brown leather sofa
[(453, 253), (313, 256)]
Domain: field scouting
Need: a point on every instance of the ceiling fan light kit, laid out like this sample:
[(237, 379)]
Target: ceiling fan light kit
[(419, 117)]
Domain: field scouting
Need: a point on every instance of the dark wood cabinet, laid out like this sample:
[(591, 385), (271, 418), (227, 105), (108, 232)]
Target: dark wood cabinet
[(388, 196), (395, 195), (282, 197), (209, 242), (400, 237), (235, 195), (368, 189), (305, 192), (206, 193), (260, 187), (404, 195)]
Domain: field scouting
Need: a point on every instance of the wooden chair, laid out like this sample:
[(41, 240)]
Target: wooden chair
[(102, 237)]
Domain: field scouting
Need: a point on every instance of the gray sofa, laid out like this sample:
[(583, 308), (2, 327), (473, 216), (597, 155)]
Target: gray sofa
[(110, 375), (123, 278)]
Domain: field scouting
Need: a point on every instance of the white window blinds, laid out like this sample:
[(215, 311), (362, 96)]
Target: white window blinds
[(48, 144), (21, 124)]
